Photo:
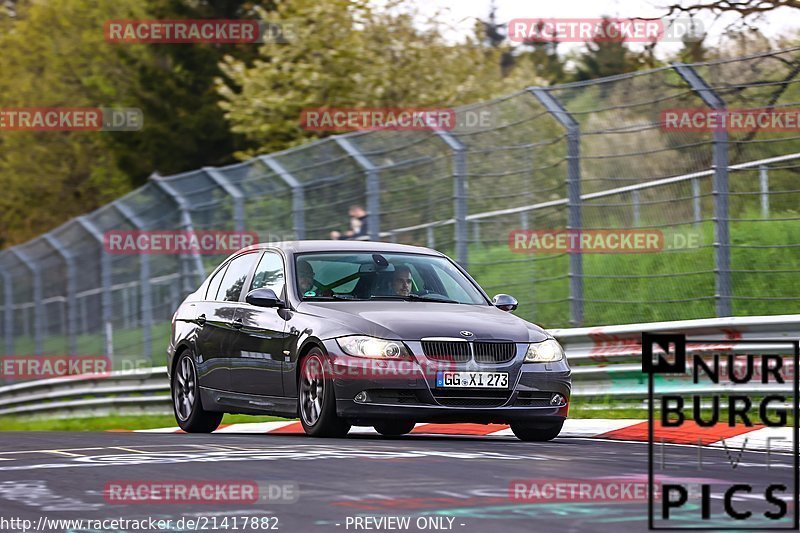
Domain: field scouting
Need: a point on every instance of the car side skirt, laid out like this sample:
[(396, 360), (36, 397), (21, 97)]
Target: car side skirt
[(248, 404)]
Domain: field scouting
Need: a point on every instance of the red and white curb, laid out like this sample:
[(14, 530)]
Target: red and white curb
[(756, 438)]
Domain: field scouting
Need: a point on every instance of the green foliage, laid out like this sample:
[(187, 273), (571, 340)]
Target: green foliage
[(348, 54), (55, 54), (639, 288), (50, 176), (604, 58)]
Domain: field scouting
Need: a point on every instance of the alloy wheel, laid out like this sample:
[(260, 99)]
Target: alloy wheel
[(312, 390), (186, 388)]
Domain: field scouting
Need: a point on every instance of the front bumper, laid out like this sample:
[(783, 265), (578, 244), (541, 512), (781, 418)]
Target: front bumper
[(404, 391)]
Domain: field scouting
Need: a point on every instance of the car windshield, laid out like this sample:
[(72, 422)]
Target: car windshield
[(382, 276)]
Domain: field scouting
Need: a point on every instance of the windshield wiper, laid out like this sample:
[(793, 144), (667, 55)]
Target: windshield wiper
[(414, 298), (333, 297), (433, 298)]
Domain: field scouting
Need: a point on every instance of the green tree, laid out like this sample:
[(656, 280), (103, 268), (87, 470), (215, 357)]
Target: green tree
[(604, 57), (48, 177), (55, 54), (495, 36), (186, 128), (348, 54), (544, 56)]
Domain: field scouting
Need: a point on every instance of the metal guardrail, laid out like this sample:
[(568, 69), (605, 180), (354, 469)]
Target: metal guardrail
[(140, 391), (605, 361)]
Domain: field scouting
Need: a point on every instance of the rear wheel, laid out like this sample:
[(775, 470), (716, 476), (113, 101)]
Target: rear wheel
[(186, 403), (394, 428), (537, 432), (317, 402)]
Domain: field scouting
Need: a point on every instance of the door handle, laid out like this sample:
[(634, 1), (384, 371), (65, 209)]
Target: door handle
[(201, 320), (238, 324)]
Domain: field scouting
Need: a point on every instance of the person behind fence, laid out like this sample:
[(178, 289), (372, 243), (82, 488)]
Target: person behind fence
[(358, 224)]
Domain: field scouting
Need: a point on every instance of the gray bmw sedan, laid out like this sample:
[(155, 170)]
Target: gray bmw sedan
[(344, 333)]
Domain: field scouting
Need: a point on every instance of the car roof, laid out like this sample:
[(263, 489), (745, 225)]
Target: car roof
[(298, 247)]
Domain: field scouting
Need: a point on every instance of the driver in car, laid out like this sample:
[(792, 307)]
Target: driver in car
[(401, 281), (305, 279)]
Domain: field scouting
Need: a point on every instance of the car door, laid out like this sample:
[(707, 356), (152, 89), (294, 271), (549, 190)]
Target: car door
[(261, 340), (215, 320), (211, 368)]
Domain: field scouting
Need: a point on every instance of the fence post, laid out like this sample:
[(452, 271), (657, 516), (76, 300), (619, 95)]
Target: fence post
[(373, 186), (38, 315), (8, 310), (430, 237), (698, 216), (459, 195), (146, 301), (635, 202), (298, 195), (763, 178), (574, 222), (72, 310), (105, 280), (233, 191), (186, 222), (719, 190)]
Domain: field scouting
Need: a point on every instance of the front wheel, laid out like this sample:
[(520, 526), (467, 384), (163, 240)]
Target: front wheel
[(317, 402), (394, 428), (537, 432), (189, 412)]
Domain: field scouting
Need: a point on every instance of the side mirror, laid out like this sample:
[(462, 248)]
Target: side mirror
[(263, 298), (505, 302)]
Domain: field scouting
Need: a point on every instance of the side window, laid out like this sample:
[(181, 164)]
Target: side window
[(231, 287), (269, 273), (213, 285)]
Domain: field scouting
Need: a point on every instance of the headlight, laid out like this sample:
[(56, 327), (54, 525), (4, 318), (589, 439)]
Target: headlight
[(362, 346), (544, 352)]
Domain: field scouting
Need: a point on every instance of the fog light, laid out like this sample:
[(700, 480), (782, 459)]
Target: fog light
[(361, 396), (557, 399)]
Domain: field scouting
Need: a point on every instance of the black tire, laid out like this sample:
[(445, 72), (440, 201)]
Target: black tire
[(186, 402), (394, 428), (537, 432), (316, 400)]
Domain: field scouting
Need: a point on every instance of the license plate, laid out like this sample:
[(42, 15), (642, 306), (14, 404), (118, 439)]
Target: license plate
[(472, 380)]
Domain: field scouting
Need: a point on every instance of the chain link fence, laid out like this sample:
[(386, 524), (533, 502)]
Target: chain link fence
[(592, 156)]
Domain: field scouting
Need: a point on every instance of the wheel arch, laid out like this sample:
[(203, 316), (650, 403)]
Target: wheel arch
[(182, 347), (307, 346)]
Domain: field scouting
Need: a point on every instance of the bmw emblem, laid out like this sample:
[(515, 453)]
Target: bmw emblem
[(466, 333)]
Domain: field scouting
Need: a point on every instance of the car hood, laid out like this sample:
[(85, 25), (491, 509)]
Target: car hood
[(416, 320)]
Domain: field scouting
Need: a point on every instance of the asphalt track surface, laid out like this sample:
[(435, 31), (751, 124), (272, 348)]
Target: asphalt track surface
[(463, 482)]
